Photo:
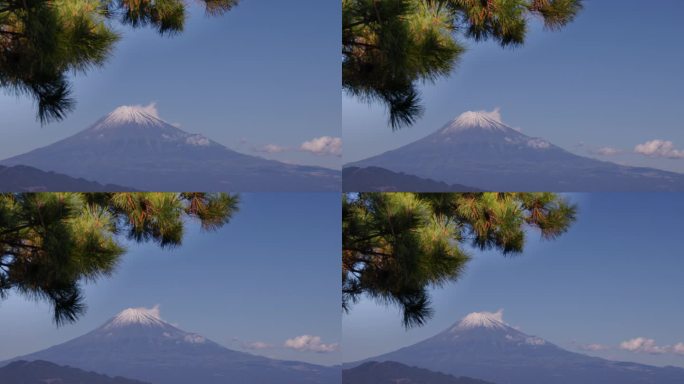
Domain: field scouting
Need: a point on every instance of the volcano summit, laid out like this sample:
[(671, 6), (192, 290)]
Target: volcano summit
[(138, 344), (133, 147), (478, 150), (483, 346)]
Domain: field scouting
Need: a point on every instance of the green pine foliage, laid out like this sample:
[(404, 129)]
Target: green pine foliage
[(398, 246), (42, 42), (51, 243), (391, 46)]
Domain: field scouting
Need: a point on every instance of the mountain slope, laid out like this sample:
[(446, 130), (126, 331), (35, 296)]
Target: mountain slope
[(376, 179), (392, 373), (477, 149), (138, 344), (483, 346), (133, 147), (20, 178), (43, 372)]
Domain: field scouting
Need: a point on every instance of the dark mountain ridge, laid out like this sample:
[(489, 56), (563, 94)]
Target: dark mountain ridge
[(391, 372), (376, 179), (21, 178), (44, 372)]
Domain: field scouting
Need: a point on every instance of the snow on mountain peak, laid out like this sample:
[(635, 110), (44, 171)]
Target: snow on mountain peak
[(142, 316), (487, 120), (483, 320), (136, 114)]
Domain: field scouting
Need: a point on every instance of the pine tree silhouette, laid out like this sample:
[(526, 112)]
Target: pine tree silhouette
[(50, 243), (391, 46), (396, 246), (42, 41)]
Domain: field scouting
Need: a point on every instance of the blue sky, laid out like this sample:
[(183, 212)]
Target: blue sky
[(615, 276), (611, 79), (268, 72), (270, 275)]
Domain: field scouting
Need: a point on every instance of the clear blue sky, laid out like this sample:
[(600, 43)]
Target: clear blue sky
[(615, 276), (268, 72), (270, 275), (612, 78)]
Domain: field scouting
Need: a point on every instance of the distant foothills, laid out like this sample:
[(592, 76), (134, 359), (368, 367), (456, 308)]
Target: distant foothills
[(390, 372), (20, 178), (477, 151), (134, 149), (138, 347), (44, 372), (482, 348)]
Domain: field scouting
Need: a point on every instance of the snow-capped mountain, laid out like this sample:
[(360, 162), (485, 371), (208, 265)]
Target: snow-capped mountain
[(131, 146), (482, 320), (479, 150), (483, 120), (483, 346), (138, 344)]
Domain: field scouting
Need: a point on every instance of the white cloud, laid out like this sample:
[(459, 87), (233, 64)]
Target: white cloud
[(601, 151), (643, 345), (593, 347), (270, 148), (154, 311), (659, 148), (197, 140), (257, 345), (323, 146), (494, 115), (194, 339), (310, 343), (150, 109), (607, 151), (678, 348), (535, 341), (538, 144), (251, 345)]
